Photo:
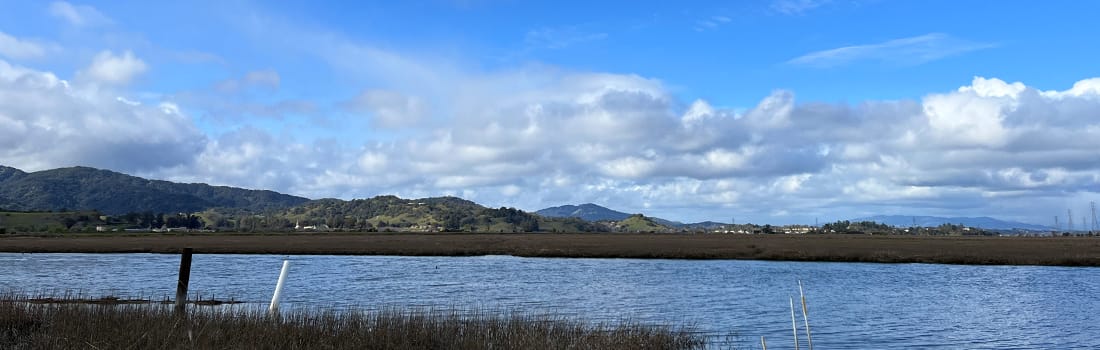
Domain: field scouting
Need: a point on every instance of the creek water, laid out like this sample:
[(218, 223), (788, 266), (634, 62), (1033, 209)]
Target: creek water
[(852, 305)]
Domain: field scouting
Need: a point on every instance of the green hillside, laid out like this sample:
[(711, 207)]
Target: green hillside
[(83, 188), (639, 223), (129, 202), (449, 214)]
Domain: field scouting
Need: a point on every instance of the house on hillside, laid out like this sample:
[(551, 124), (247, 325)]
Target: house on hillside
[(322, 227)]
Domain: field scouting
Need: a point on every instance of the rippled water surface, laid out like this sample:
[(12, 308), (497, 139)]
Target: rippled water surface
[(852, 305)]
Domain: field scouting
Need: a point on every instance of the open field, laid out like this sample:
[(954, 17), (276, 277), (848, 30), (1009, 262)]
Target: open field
[(97, 326), (1064, 251)]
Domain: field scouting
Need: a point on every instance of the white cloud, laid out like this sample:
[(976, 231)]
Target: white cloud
[(905, 51), (16, 48), (78, 15), (621, 140), (389, 109), (48, 122), (111, 69)]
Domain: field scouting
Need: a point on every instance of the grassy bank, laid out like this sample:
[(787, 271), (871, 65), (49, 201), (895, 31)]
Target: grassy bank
[(74, 325), (1061, 251)]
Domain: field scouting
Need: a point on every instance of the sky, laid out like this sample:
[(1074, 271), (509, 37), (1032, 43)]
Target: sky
[(771, 111)]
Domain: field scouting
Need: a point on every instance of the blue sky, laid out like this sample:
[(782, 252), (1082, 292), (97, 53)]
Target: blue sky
[(772, 111)]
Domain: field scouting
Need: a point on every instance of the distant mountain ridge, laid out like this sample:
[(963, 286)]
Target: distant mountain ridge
[(587, 212), (933, 221), (219, 207), (593, 213), (113, 193)]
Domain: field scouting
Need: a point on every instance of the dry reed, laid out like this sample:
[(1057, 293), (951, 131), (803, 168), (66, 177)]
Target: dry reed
[(25, 325)]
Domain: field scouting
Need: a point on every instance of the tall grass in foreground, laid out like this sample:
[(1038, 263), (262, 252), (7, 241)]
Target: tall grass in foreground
[(97, 326)]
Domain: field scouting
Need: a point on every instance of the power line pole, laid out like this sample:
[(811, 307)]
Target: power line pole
[(1069, 221), (1093, 205), (1057, 225)]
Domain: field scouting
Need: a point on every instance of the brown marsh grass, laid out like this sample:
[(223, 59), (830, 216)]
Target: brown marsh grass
[(1064, 251), (26, 325)]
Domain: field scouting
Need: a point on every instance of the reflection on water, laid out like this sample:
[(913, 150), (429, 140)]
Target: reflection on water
[(852, 306)]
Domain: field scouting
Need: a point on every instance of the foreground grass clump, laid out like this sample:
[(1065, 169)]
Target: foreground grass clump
[(97, 326)]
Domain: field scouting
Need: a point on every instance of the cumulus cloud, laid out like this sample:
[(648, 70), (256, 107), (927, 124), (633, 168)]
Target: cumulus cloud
[(78, 15), (626, 141), (111, 69), (48, 122), (621, 140)]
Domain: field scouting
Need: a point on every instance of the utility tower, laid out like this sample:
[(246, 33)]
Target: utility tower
[(1069, 220), (1057, 225), (1094, 226)]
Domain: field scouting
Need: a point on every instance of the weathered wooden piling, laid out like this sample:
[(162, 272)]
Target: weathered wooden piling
[(184, 279)]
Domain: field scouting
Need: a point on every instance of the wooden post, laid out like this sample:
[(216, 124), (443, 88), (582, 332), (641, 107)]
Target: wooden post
[(185, 277)]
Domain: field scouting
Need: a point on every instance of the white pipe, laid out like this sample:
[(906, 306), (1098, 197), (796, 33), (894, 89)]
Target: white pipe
[(794, 325), (279, 287), (805, 318)]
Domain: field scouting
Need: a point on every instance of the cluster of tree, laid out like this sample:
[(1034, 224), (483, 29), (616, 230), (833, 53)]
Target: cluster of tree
[(523, 221), (859, 227), (147, 219), (871, 227)]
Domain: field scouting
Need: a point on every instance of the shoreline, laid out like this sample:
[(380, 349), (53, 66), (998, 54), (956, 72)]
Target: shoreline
[(1045, 251)]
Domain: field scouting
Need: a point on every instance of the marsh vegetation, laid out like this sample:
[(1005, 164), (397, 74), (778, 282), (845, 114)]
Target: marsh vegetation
[(71, 324)]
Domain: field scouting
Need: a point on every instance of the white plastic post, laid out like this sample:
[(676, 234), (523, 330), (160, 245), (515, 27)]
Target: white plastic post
[(279, 287), (805, 318), (794, 325)]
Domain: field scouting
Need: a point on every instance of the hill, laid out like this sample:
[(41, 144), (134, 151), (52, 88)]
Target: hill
[(390, 213), (587, 212), (83, 188), (639, 223), (592, 213), (934, 221), (134, 202)]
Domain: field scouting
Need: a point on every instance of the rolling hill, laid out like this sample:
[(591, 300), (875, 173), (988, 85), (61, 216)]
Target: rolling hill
[(587, 212), (83, 188)]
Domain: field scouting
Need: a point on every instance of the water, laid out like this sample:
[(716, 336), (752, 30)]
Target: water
[(852, 305)]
